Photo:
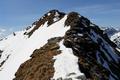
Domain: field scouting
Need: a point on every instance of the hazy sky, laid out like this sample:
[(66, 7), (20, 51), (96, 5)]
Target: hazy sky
[(16, 14)]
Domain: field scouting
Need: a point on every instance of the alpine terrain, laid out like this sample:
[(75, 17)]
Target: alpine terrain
[(113, 34), (59, 46)]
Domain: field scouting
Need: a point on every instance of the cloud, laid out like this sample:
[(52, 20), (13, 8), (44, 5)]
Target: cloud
[(2, 30), (5, 32), (98, 8)]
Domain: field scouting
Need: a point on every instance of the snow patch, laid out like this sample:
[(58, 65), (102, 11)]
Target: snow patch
[(56, 18), (49, 14), (65, 64), (115, 36), (80, 34)]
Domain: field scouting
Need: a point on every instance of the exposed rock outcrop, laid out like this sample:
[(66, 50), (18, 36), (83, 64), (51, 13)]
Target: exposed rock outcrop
[(1, 53), (40, 66), (90, 43), (50, 17)]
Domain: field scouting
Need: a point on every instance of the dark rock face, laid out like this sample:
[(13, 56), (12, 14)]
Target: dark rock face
[(3, 60), (40, 66), (49, 18), (90, 43), (1, 53)]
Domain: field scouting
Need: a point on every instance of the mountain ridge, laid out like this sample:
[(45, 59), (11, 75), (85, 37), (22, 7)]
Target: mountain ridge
[(71, 47)]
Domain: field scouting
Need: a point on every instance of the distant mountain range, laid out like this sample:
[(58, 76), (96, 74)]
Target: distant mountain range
[(113, 34)]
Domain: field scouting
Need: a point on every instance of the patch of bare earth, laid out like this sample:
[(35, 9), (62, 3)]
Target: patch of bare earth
[(40, 66)]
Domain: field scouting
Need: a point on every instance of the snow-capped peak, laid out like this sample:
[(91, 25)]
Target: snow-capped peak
[(83, 51)]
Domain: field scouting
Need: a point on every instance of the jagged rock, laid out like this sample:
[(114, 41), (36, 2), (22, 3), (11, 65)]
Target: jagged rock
[(86, 48), (4, 61), (49, 18), (1, 53)]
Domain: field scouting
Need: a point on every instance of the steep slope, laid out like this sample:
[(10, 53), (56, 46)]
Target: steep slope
[(113, 34), (116, 38), (94, 47), (60, 47), (40, 66), (18, 47)]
